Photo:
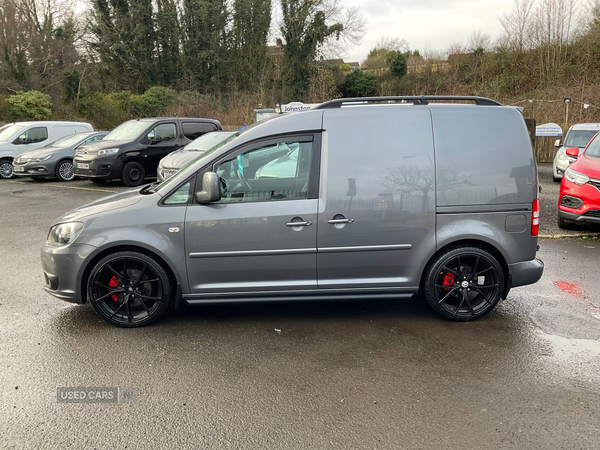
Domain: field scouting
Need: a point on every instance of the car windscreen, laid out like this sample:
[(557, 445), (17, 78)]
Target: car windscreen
[(70, 140), (593, 149), (9, 131), (579, 138), (207, 141), (128, 131)]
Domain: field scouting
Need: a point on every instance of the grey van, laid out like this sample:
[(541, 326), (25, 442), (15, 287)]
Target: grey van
[(369, 198)]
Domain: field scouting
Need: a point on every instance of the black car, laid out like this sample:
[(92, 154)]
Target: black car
[(132, 151)]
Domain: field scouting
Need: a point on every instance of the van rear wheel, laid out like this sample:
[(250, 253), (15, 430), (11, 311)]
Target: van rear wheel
[(129, 289), (463, 283)]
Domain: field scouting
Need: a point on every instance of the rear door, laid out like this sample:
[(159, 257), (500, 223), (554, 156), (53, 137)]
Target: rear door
[(261, 236), (376, 224)]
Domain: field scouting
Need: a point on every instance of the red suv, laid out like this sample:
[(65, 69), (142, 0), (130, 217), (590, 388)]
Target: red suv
[(579, 199)]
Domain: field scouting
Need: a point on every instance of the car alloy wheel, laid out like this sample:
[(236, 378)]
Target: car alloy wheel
[(64, 171), (129, 289), (6, 169), (464, 283)]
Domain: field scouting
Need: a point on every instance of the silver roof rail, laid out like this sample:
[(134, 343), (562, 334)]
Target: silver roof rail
[(416, 100)]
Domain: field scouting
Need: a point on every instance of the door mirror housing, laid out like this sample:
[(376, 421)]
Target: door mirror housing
[(572, 152), (211, 191), (557, 143)]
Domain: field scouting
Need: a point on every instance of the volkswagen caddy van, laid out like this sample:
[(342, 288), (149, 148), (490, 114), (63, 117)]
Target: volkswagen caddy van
[(370, 198)]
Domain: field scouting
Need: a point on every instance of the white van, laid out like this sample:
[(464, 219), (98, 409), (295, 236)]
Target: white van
[(20, 137)]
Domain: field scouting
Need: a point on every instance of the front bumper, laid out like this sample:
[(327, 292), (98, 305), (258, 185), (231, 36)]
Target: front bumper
[(63, 270), (588, 210), (526, 272), (165, 172), (34, 169), (101, 168)]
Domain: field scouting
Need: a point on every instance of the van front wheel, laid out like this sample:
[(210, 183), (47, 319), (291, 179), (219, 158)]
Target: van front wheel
[(6, 169), (463, 283), (133, 174), (129, 289)]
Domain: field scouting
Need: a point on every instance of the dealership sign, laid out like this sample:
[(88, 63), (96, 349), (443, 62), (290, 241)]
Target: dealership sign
[(548, 129), (297, 107)]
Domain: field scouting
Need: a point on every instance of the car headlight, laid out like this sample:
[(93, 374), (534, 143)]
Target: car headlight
[(45, 158), (561, 155), (108, 151), (64, 233), (575, 177)]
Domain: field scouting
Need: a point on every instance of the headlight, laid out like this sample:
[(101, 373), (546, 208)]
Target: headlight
[(108, 151), (45, 158), (575, 177), (64, 233), (561, 155)]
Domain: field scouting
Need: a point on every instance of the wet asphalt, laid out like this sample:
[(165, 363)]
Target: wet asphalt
[(369, 374)]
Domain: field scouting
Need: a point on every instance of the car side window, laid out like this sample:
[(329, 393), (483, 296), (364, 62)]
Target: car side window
[(93, 139), (193, 130), (34, 135), (162, 133), (278, 171)]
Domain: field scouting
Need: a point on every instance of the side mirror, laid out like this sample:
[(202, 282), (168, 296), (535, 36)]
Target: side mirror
[(572, 152), (211, 191), (557, 143), (155, 140)]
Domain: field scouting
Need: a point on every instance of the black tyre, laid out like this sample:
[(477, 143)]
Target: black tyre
[(133, 174), (6, 169), (64, 170), (463, 283), (129, 289), (565, 224)]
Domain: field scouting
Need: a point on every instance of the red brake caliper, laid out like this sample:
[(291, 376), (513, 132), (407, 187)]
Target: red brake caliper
[(448, 279), (114, 282)]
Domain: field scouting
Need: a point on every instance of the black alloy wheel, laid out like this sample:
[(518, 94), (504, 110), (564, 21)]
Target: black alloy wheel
[(464, 283), (133, 174), (64, 170), (129, 289), (6, 169)]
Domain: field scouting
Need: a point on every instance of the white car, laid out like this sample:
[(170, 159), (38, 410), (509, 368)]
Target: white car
[(578, 136)]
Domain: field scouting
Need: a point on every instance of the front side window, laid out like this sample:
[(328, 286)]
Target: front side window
[(33, 135), (162, 133), (180, 197), (271, 172)]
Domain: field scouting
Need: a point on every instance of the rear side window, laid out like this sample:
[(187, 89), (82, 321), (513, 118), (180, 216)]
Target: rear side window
[(34, 135), (193, 130)]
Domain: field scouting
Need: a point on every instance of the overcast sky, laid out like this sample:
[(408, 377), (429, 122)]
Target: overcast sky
[(434, 23)]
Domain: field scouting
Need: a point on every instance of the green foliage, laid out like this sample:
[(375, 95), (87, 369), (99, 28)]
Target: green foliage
[(30, 105), (154, 102), (304, 29), (397, 63), (360, 84)]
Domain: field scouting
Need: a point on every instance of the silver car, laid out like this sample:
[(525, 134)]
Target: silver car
[(578, 136), (55, 160), (355, 199), (179, 158)]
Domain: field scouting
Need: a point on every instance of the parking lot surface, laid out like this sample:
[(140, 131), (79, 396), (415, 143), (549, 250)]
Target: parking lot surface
[(368, 374)]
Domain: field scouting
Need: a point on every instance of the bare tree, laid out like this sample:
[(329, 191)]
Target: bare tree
[(517, 25)]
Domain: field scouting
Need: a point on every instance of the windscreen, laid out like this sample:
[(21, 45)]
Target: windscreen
[(593, 149), (127, 131), (9, 131), (579, 138), (70, 140)]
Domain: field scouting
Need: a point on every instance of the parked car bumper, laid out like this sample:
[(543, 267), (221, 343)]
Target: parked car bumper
[(58, 264), (34, 169), (588, 209), (101, 168)]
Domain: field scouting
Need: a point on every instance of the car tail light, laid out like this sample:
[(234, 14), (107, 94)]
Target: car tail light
[(535, 218)]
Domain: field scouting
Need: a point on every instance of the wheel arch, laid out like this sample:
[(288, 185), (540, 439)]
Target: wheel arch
[(483, 245), (85, 274)]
